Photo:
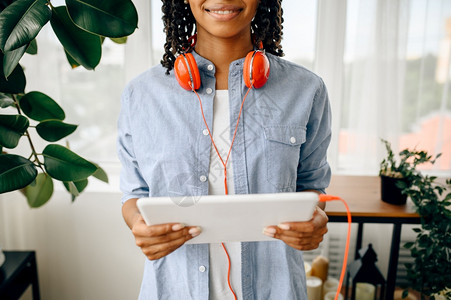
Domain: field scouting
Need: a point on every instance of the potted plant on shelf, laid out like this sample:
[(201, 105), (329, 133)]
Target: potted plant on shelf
[(81, 27), (397, 173), (430, 274)]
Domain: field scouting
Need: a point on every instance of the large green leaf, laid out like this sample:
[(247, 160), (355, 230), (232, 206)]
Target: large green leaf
[(12, 128), (121, 40), (21, 22), (100, 174), (75, 188), (112, 18), (54, 130), (11, 59), (32, 47), (83, 47), (16, 172), (65, 165), (73, 63), (16, 81), (40, 107), (39, 191), (5, 101)]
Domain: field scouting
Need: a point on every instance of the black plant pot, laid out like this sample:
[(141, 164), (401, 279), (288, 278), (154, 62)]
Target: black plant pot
[(390, 192)]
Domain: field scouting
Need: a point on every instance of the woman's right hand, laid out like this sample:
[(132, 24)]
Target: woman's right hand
[(157, 241)]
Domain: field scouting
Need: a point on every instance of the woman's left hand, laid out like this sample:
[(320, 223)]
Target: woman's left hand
[(301, 235)]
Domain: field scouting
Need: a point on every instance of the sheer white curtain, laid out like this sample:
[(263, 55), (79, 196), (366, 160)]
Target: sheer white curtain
[(387, 65), (374, 76)]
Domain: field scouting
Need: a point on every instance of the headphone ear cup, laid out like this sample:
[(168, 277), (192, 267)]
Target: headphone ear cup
[(186, 71), (256, 68)]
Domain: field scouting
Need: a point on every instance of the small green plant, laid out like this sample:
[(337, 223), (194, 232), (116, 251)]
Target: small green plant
[(406, 165), (430, 274), (81, 27)]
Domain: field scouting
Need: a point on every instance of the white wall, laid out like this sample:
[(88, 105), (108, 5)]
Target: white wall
[(84, 249)]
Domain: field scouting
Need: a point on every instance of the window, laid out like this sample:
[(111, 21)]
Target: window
[(396, 82), (386, 64)]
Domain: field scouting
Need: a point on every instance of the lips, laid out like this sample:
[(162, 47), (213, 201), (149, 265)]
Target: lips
[(222, 12), (223, 9)]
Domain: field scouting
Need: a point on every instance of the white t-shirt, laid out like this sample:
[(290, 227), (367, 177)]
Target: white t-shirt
[(219, 288)]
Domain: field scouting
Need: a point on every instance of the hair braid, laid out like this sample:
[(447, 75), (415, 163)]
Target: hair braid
[(179, 23)]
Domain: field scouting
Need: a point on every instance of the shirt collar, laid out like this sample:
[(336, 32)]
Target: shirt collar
[(203, 63)]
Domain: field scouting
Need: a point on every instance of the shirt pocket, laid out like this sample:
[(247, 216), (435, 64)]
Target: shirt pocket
[(282, 149)]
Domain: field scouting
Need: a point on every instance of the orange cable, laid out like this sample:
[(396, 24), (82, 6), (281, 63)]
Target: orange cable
[(224, 163), (328, 198), (322, 198), (228, 271)]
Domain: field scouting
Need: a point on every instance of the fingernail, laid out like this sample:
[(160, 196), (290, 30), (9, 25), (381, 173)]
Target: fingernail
[(269, 231), (284, 226), (177, 227), (195, 231)]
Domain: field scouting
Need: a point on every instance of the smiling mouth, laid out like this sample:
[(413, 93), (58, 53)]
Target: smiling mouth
[(223, 12)]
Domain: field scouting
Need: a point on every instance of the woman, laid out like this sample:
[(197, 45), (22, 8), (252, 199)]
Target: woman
[(278, 139)]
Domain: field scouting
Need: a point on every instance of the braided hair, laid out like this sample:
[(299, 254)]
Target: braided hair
[(179, 23)]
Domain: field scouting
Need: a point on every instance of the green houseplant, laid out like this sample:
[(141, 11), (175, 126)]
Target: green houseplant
[(398, 172), (81, 27), (430, 274)]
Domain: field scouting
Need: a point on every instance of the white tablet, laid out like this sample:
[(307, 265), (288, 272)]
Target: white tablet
[(229, 218)]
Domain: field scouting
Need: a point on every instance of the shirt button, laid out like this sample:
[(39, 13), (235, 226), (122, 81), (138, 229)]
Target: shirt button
[(205, 131), (203, 178), (209, 91), (202, 269), (210, 67), (293, 140)]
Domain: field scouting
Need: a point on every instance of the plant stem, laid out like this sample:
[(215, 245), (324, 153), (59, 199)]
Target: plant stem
[(33, 150)]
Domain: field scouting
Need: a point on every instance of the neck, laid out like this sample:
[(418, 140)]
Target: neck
[(221, 52)]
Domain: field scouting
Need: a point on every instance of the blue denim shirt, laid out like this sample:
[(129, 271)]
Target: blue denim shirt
[(280, 146)]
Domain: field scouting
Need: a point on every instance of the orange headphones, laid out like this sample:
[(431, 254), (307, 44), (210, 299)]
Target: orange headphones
[(255, 70)]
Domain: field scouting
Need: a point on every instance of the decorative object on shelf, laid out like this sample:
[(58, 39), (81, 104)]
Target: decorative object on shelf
[(331, 296), (430, 274), (364, 291), (390, 192), (397, 174), (320, 267), (308, 269), (330, 285), (314, 288), (363, 272), (80, 27)]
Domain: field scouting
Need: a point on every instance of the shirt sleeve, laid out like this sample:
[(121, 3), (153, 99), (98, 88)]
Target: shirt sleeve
[(132, 183), (313, 169)]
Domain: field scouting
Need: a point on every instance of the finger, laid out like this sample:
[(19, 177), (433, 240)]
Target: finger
[(297, 238), (189, 232), (300, 234), (276, 231), (155, 230), (318, 224), (315, 240), (160, 250), (306, 247), (149, 241)]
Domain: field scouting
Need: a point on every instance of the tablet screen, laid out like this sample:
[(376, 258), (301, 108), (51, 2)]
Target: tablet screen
[(229, 218)]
